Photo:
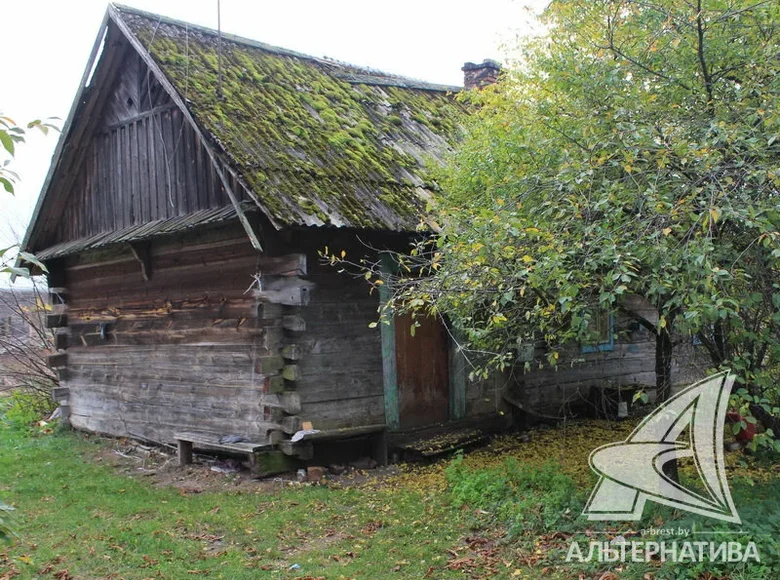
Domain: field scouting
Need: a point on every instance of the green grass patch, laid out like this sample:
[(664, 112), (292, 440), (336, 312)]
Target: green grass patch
[(501, 512)]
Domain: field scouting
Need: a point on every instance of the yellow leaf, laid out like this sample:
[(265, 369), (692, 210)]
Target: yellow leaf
[(662, 322), (714, 214), (343, 253), (667, 231)]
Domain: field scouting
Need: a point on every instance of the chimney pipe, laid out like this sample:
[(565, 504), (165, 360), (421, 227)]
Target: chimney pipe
[(476, 76)]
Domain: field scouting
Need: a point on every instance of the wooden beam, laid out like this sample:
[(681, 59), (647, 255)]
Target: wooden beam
[(143, 255), (291, 424), (289, 265), (291, 291), (61, 337), (56, 320), (293, 323), (57, 361), (290, 402), (292, 352), (291, 373), (389, 369)]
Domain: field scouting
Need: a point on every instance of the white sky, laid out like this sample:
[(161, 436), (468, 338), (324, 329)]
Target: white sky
[(46, 45)]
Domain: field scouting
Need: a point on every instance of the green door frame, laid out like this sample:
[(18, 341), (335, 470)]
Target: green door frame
[(457, 362)]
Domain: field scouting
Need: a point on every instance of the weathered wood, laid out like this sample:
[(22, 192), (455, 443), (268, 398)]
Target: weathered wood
[(274, 462), (292, 352), (141, 252), (59, 360), (293, 323), (346, 432), (302, 450), (61, 337), (291, 372), (291, 424), (184, 452), (58, 295), (59, 394), (275, 384), (291, 291), (290, 265), (54, 320), (268, 365), (290, 402)]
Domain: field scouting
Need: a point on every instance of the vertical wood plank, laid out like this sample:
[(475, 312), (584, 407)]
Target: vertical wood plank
[(389, 370), (151, 160), (143, 164)]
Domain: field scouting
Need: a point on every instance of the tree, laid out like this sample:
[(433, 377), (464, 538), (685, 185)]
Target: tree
[(631, 152), (12, 135)]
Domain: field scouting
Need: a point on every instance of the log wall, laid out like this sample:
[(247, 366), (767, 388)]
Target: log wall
[(187, 349), (340, 382), (568, 389)]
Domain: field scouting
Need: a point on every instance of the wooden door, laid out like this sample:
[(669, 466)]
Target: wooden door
[(422, 367)]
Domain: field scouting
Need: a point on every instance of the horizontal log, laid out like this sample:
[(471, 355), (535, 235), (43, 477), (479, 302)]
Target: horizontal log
[(268, 365), (302, 450), (293, 323), (274, 384), (292, 352), (291, 372), (61, 337), (286, 291), (291, 424), (59, 394), (56, 320), (290, 402), (59, 360), (289, 265), (351, 413)]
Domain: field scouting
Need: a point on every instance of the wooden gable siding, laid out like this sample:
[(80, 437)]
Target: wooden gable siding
[(186, 350), (144, 162)]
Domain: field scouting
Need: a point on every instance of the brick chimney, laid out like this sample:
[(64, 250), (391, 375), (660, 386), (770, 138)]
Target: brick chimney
[(476, 76)]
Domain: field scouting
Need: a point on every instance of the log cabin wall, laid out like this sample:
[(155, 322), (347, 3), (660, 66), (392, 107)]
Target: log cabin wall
[(187, 349), (143, 163), (340, 380), (631, 362)]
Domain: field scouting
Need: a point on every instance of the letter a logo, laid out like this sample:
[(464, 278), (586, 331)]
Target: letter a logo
[(631, 472)]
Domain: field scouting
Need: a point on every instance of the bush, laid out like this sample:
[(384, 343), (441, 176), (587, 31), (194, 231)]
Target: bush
[(23, 409)]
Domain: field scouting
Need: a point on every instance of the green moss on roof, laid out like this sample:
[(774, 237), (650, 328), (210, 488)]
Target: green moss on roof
[(316, 142)]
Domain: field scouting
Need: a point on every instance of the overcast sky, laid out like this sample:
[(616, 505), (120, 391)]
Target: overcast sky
[(46, 45)]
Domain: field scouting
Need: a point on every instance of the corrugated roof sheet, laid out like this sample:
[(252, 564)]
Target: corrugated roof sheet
[(316, 142), (140, 232)]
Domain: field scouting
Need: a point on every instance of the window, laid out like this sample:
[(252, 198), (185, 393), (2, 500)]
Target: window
[(603, 333)]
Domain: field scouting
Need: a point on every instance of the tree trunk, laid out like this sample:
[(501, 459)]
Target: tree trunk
[(663, 383), (663, 364)]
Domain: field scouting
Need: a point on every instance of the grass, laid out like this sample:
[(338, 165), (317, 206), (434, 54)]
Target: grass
[(77, 517)]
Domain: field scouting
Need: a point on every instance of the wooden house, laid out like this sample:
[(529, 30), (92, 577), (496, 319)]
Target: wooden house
[(197, 178)]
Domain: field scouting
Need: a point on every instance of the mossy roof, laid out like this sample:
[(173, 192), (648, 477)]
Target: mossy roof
[(317, 142)]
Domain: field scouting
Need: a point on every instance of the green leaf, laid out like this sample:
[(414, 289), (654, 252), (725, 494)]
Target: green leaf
[(7, 185), (7, 142)]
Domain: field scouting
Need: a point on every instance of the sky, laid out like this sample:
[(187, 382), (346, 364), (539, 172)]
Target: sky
[(46, 45)]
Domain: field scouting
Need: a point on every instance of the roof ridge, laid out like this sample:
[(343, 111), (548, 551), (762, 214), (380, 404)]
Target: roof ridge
[(367, 75)]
